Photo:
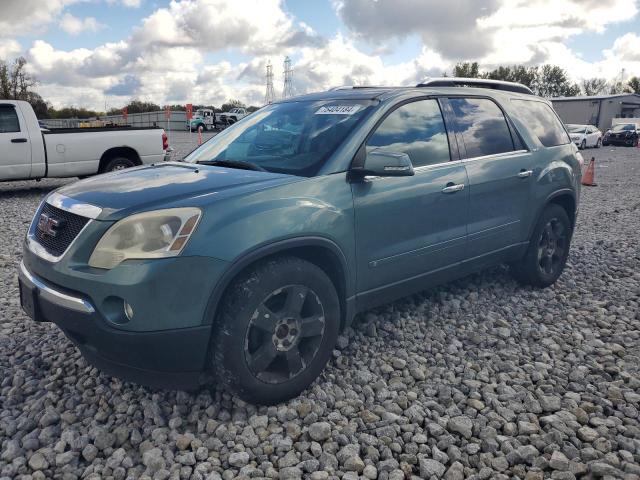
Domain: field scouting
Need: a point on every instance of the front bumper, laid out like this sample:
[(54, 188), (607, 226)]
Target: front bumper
[(628, 142), (171, 358)]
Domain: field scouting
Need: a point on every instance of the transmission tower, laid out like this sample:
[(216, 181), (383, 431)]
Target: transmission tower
[(287, 88), (269, 95)]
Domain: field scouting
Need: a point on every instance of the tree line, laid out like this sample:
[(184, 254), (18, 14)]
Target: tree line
[(546, 80)]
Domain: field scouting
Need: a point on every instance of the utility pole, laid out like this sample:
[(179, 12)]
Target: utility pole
[(287, 88), (269, 95)]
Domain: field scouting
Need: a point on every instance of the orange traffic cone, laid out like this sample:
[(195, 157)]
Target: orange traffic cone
[(589, 177)]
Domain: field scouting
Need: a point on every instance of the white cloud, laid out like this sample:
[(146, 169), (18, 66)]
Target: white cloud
[(74, 25), (592, 15), (252, 26), (444, 26), (126, 3), (534, 31), (626, 47), (18, 17), (9, 48)]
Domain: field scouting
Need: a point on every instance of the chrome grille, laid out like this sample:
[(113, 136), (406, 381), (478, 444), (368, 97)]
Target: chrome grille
[(68, 229)]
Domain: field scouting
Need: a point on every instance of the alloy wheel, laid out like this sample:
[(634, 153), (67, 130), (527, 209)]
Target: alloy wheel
[(284, 334), (552, 247)]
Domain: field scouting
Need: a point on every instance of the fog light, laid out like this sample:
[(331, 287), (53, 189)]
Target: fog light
[(128, 311)]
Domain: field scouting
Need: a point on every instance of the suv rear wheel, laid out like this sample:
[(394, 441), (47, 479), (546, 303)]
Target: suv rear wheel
[(548, 249), (276, 330)]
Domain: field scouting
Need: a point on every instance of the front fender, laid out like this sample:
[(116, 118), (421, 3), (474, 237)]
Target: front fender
[(314, 212)]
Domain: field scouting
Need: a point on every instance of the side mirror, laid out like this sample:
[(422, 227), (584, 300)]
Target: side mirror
[(381, 163)]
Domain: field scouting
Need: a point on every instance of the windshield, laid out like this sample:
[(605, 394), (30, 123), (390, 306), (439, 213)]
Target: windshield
[(576, 128), (294, 138), (623, 126)]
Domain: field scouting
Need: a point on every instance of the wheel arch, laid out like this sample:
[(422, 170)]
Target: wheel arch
[(320, 251), (566, 199), (123, 151)]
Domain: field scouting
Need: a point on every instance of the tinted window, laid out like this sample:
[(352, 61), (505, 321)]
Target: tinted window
[(623, 126), (482, 125), (540, 118), (416, 129), (8, 119)]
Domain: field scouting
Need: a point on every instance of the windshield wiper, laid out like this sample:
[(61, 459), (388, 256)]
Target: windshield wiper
[(233, 164)]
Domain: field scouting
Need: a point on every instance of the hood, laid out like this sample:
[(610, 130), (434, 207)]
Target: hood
[(161, 186)]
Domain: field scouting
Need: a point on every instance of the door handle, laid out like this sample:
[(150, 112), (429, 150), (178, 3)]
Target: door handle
[(452, 188), (525, 173), (18, 140)]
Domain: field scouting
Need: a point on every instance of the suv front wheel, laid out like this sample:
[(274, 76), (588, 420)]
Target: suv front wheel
[(548, 249), (276, 330)]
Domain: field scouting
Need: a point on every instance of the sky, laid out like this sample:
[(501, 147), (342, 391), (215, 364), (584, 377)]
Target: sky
[(92, 53)]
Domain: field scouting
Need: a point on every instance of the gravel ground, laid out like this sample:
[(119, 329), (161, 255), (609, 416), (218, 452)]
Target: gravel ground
[(480, 378), (184, 142)]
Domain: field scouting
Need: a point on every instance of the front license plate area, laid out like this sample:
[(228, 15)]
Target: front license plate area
[(29, 301)]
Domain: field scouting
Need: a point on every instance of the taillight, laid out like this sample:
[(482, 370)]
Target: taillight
[(165, 141)]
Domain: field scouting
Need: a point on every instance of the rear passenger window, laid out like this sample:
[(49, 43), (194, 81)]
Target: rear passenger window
[(416, 129), (8, 119), (542, 120), (482, 125)]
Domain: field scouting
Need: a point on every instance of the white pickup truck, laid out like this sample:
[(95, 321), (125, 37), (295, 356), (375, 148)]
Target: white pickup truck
[(233, 115), (29, 152)]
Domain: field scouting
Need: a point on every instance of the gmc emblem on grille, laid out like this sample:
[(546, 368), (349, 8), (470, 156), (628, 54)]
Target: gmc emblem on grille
[(48, 225)]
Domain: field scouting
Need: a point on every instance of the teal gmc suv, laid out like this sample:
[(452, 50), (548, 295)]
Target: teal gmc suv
[(243, 263)]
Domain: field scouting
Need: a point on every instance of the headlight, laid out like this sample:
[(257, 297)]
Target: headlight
[(156, 234)]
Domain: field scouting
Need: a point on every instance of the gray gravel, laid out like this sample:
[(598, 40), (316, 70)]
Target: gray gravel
[(480, 378), (183, 142)]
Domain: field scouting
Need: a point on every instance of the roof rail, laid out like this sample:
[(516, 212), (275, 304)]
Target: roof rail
[(475, 82), (357, 87)]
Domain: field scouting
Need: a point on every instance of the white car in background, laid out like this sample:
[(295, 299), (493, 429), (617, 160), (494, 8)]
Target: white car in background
[(585, 136)]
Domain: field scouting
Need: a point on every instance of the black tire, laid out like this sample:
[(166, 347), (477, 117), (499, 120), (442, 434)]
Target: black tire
[(583, 145), (275, 331), (605, 144), (117, 163), (548, 249)]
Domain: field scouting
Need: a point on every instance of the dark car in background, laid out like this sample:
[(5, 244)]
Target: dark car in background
[(625, 134)]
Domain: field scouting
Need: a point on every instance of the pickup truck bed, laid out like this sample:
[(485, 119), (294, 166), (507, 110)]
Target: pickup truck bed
[(27, 152)]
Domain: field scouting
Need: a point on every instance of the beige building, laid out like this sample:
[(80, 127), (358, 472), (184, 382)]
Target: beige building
[(598, 110)]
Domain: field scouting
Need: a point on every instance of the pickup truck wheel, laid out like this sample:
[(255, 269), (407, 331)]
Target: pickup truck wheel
[(276, 329), (118, 163), (548, 249)]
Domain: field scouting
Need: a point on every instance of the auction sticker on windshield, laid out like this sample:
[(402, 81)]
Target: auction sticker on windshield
[(338, 110)]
